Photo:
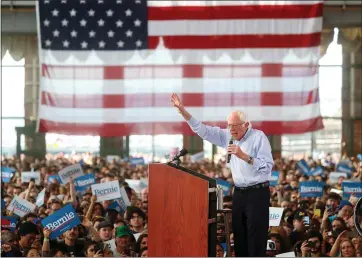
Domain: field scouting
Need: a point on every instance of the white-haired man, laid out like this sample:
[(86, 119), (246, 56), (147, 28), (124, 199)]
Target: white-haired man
[(251, 164)]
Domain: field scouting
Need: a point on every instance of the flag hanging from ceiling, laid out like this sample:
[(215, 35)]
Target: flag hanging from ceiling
[(108, 67)]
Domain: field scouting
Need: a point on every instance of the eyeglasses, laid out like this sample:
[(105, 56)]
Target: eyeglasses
[(234, 125), (136, 217)]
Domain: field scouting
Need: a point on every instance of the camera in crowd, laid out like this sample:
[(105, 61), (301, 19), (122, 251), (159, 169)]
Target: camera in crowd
[(271, 246)]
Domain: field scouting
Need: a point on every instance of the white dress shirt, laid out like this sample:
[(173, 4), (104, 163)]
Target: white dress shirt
[(254, 143)]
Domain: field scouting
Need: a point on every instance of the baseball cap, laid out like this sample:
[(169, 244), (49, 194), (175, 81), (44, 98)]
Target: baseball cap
[(299, 214), (122, 231), (105, 224)]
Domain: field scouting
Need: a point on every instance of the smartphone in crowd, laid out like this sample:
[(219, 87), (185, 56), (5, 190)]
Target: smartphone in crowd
[(306, 221)]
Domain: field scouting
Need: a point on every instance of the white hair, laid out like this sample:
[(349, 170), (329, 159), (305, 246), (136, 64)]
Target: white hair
[(242, 116)]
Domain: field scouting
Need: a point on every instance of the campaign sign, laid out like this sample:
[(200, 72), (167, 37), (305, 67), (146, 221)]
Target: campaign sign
[(351, 188), (106, 191), (333, 177), (317, 171), (40, 198), (6, 174), (61, 221), (3, 205), (311, 189), (344, 168), (136, 185), (27, 176), (82, 183), (117, 205), (9, 222), (54, 179), (302, 165), (137, 161), (124, 201), (226, 186), (20, 206), (274, 178), (197, 157), (73, 171), (275, 215)]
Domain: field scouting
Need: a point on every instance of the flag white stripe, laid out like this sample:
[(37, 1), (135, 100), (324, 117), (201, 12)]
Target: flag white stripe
[(228, 3), (164, 56), (235, 27), (186, 85), (167, 114)]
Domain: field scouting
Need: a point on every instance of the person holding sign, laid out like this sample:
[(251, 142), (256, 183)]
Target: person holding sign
[(251, 163)]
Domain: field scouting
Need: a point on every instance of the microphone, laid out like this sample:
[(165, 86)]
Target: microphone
[(229, 155), (182, 153)]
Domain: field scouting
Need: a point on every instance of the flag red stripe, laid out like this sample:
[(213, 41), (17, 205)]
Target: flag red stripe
[(176, 71), (235, 12), (108, 130), (237, 41), (189, 99)]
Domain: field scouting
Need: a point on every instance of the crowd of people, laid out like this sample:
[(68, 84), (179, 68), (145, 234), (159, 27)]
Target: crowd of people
[(329, 231)]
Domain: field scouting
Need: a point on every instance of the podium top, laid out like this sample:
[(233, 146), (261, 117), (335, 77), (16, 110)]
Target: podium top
[(212, 181)]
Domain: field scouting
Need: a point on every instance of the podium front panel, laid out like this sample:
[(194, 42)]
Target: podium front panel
[(178, 206)]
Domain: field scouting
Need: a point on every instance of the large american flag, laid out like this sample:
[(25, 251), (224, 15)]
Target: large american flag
[(108, 67)]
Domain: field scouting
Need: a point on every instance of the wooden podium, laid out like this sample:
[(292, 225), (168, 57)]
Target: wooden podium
[(181, 213)]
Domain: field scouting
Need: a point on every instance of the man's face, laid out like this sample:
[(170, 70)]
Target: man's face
[(332, 202), (10, 191), (298, 224), (17, 191), (122, 242), (346, 212), (336, 224), (136, 220), (236, 126), (72, 234), (106, 233), (27, 240), (317, 245)]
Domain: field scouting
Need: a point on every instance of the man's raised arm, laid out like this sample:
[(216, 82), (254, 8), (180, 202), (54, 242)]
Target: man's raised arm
[(211, 134)]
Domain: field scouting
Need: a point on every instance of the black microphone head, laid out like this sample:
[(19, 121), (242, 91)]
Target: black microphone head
[(231, 141), (183, 152)]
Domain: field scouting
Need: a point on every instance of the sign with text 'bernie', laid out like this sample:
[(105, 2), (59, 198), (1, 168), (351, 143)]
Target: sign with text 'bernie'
[(137, 161), (317, 171), (53, 179), (275, 215), (344, 168), (82, 183), (303, 167), (311, 189), (40, 198), (351, 188), (73, 171), (9, 222), (27, 176), (6, 174), (274, 178), (61, 221), (106, 191), (20, 206)]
